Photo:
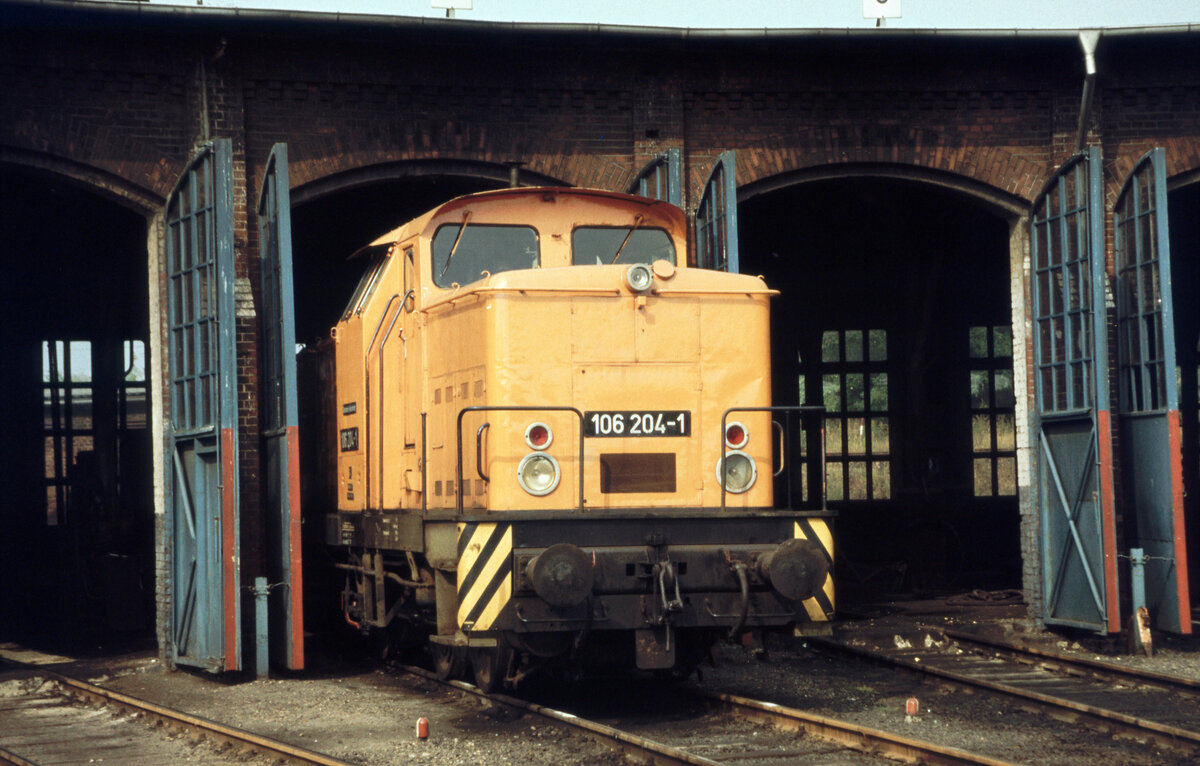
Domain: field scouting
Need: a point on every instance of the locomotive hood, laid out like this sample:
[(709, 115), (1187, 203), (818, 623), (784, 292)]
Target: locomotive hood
[(650, 374)]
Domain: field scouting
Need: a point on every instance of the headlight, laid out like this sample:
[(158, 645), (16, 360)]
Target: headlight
[(639, 277), (538, 473), (736, 471)]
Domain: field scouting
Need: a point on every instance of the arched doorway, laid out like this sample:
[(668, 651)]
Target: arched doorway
[(1184, 212), (74, 395), (331, 219), (896, 313)]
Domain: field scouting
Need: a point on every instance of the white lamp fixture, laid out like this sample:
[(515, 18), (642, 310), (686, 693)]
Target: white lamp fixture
[(880, 10)]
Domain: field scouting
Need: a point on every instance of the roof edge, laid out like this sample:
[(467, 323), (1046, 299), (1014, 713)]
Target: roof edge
[(160, 13)]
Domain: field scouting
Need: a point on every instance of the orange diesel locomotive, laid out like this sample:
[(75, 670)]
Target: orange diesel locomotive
[(555, 442)]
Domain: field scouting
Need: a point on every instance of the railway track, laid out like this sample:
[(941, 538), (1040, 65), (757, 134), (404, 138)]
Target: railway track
[(738, 730), (683, 725), (48, 717), (1149, 708), (1076, 666)]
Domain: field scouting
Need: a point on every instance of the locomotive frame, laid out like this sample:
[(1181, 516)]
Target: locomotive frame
[(669, 540)]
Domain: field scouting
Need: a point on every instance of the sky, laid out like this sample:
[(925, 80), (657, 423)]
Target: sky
[(732, 14)]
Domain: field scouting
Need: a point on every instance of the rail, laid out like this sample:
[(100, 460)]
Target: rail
[(1080, 666), (1071, 697), (816, 471), (787, 440), (277, 751), (845, 734), (479, 442)]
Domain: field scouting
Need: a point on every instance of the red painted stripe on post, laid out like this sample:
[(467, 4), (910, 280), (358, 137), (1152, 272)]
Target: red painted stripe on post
[(1175, 439), (1108, 521), (229, 557), (295, 564)]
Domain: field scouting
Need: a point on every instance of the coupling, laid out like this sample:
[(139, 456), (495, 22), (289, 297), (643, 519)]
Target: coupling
[(797, 569), (562, 575)]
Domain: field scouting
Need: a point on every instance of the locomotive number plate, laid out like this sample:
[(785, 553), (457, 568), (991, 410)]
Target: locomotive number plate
[(638, 423)]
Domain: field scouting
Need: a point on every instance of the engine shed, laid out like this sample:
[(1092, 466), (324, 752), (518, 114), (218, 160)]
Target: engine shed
[(986, 244)]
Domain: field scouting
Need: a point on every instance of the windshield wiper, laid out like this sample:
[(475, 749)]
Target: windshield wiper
[(637, 221), (457, 239)]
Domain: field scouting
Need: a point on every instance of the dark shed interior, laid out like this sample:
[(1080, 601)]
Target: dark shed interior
[(78, 544)]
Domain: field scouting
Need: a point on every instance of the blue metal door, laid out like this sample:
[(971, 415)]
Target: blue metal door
[(202, 435), (661, 179), (1072, 419), (280, 419), (716, 218), (1151, 461)]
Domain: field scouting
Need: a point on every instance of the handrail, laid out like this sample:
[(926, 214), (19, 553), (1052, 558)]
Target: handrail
[(511, 408), (387, 335), (475, 292), (782, 462), (479, 451), (800, 410), (383, 316), (424, 466), (367, 387), (703, 291)]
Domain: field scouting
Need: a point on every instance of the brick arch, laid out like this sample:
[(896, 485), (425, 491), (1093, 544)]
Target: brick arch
[(309, 184), (1005, 204), (1182, 156), (1186, 178), (105, 184), (960, 162), (425, 148)]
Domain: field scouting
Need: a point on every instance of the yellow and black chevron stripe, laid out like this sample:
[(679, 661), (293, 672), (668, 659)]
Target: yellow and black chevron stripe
[(820, 606), (484, 573)]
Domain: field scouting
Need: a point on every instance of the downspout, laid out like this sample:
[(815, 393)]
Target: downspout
[(203, 102), (204, 117), (1088, 40), (514, 174)]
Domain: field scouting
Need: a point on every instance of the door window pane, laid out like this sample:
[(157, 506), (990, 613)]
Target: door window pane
[(854, 382), (993, 422)]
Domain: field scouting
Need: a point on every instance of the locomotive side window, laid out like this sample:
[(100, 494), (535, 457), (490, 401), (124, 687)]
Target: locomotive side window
[(620, 244), (463, 252), (366, 286)]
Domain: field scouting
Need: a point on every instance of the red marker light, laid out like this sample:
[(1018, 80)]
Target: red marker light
[(736, 436), (538, 436)]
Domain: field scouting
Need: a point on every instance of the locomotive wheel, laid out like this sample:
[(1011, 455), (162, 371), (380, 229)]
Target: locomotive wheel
[(449, 661), (490, 665)]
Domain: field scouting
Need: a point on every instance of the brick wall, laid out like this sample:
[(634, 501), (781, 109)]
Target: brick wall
[(119, 101)]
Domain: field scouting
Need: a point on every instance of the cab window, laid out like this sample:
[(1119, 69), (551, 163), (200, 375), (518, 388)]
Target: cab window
[(618, 244), (366, 285), (462, 254)]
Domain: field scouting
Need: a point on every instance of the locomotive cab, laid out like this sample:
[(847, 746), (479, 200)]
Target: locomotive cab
[(556, 440)]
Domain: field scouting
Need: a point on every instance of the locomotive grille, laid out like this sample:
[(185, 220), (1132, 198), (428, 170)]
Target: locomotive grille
[(640, 472)]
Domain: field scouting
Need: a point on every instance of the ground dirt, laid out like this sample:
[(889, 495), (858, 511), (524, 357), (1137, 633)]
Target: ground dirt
[(366, 712)]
